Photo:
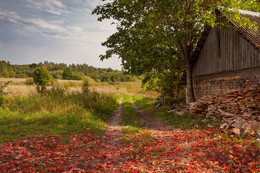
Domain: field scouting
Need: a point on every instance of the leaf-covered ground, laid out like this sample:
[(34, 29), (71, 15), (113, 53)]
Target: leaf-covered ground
[(158, 151), (132, 149)]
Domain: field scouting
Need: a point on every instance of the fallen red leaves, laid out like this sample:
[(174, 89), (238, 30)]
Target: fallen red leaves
[(169, 151)]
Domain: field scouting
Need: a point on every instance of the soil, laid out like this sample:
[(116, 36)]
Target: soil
[(151, 123), (113, 140)]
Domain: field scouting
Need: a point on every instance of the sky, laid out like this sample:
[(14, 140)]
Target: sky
[(60, 31)]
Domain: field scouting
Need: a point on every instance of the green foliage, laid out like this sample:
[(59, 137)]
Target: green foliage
[(130, 115), (79, 71), (57, 91), (85, 87), (29, 81), (67, 74), (57, 112), (41, 78), (6, 69), (151, 32), (2, 93), (76, 77)]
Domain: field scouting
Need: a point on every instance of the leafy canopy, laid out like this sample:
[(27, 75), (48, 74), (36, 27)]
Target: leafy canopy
[(151, 31)]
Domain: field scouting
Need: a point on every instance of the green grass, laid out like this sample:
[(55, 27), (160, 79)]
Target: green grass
[(54, 114), (136, 135), (130, 115), (183, 122), (132, 129)]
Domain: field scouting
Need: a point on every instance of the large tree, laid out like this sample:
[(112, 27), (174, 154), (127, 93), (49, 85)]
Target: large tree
[(151, 31)]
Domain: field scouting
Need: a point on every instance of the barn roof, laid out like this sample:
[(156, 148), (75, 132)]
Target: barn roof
[(252, 35)]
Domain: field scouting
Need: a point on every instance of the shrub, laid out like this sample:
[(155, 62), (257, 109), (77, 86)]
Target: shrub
[(29, 81), (85, 87), (76, 77), (2, 93), (41, 78), (57, 91), (67, 74)]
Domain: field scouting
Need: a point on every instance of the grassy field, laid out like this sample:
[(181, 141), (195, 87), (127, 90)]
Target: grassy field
[(58, 112), (64, 110), (19, 87), (64, 131)]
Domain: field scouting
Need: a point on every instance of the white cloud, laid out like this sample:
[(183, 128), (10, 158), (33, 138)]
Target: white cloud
[(26, 22), (75, 36), (57, 29), (50, 6), (93, 3)]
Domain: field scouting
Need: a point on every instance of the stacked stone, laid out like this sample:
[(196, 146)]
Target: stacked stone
[(244, 103)]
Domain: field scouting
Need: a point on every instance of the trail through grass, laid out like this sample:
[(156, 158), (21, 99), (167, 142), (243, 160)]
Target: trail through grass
[(183, 122), (53, 114)]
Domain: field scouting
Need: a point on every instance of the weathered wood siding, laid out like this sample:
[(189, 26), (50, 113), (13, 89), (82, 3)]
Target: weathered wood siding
[(226, 50)]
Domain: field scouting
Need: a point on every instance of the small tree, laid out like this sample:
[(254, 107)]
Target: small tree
[(41, 78), (85, 87), (67, 74), (2, 93)]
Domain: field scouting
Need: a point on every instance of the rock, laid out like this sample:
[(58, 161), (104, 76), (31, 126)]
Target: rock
[(237, 124), (212, 108), (257, 134), (180, 113), (225, 114), (254, 124), (224, 126), (210, 126), (246, 130), (196, 127), (158, 105), (236, 131), (172, 111), (247, 115)]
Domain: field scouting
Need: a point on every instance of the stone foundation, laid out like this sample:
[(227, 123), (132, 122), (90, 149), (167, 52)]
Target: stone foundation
[(220, 84)]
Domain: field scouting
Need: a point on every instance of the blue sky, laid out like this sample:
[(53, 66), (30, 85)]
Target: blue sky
[(60, 31)]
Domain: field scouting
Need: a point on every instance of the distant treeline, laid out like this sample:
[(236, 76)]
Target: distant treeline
[(57, 70)]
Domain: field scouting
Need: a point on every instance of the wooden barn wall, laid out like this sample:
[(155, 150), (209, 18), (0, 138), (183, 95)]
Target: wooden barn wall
[(224, 52)]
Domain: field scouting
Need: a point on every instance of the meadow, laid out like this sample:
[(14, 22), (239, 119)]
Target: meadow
[(68, 129), (64, 110)]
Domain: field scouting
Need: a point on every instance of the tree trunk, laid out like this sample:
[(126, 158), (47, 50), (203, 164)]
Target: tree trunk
[(189, 90)]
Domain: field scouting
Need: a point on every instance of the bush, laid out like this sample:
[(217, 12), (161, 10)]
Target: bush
[(67, 74), (76, 77), (57, 91), (85, 87), (41, 78), (29, 81), (2, 93)]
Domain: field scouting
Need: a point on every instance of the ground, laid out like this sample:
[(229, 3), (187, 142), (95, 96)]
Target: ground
[(133, 141)]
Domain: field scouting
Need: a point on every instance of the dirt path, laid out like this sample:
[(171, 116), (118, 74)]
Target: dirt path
[(151, 123), (162, 132), (112, 138)]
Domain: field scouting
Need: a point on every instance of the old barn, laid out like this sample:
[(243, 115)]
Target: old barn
[(227, 59), (226, 73)]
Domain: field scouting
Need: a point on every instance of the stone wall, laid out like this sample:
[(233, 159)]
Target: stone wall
[(220, 84), (239, 108)]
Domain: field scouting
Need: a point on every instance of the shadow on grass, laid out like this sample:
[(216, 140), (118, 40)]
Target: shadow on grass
[(183, 122)]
